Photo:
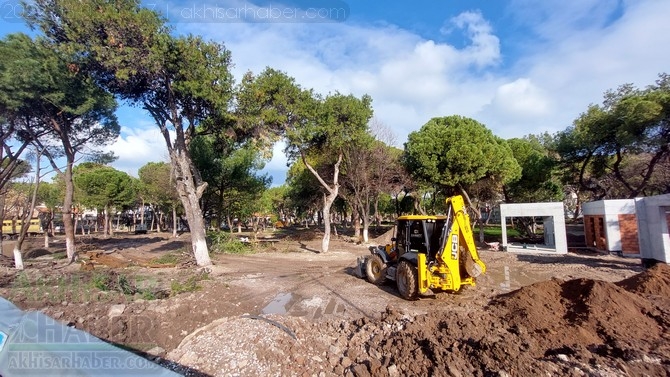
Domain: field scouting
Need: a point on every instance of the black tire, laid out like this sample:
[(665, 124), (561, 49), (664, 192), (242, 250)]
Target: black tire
[(407, 280), (375, 269)]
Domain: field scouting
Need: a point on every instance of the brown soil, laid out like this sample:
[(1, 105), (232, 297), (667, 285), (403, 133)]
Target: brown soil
[(288, 310)]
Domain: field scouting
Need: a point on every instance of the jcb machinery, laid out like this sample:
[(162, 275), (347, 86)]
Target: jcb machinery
[(428, 253)]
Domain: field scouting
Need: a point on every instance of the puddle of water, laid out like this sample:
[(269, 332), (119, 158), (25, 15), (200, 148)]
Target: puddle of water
[(278, 305), (505, 285)]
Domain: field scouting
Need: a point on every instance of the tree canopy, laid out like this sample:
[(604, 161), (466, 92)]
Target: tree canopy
[(455, 152), (103, 186), (537, 182), (59, 108), (630, 128)]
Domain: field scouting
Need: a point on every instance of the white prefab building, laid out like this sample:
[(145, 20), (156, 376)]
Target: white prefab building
[(633, 227), (553, 214)]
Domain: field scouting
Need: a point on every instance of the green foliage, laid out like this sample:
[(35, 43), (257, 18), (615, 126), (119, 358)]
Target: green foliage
[(224, 242), (40, 84), (100, 281), (117, 36), (50, 194), (537, 183), (303, 191), (157, 185), (103, 186), (332, 124), (20, 168), (456, 151), (630, 128), (273, 101), (234, 185), (274, 201)]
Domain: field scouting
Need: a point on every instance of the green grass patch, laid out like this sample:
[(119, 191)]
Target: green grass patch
[(189, 285), (59, 255), (493, 233), (110, 281), (138, 287), (168, 258)]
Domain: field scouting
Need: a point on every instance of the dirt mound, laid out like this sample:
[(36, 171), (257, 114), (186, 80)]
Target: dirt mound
[(554, 326), (384, 238), (35, 253), (595, 309), (654, 281)]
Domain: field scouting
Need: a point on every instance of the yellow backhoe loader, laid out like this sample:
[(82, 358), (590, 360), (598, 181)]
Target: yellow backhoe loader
[(428, 253)]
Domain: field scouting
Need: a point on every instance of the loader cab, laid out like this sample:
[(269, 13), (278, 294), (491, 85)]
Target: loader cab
[(419, 234)]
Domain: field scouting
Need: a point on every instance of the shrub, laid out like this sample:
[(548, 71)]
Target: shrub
[(224, 242)]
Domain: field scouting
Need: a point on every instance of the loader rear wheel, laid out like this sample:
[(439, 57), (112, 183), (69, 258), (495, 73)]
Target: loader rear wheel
[(375, 269), (407, 280)]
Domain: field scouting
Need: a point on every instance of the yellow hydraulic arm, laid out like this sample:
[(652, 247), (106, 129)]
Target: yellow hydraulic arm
[(446, 273)]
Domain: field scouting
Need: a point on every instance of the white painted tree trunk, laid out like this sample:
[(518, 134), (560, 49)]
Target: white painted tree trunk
[(174, 221), (328, 201), (18, 258), (190, 198)]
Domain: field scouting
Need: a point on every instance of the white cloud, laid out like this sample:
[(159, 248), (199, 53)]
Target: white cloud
[(137, 146), (571, 53), (574, 69), (485, 47), (521, 99)]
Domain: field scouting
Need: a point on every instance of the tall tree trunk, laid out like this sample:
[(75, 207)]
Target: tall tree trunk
[(18, 257), (189, 185), (190, 195), (366, 227), (2, 218), (229, 221), (106, 227), (70, 247), (356, 222), (46, 235), (142, 213), (174, 221), (153, 218), (328, 201), (378, 219), (329, 198)]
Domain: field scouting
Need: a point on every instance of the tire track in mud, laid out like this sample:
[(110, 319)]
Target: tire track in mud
[(313, 293)]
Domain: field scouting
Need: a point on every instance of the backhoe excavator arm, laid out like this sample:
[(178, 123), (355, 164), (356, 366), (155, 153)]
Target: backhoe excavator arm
[(475, 266)]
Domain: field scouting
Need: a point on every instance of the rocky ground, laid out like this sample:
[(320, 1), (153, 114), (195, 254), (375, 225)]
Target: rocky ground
[(288, 310)]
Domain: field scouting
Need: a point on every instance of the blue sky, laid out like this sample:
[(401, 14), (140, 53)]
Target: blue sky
[(517, 66)]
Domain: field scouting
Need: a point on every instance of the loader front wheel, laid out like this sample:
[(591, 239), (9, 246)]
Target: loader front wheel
[(407, 280), (375, 269)]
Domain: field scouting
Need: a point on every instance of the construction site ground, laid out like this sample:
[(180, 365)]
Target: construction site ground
[(288, 310)]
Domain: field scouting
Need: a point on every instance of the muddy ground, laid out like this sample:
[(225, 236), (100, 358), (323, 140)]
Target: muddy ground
[(288, 310)]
